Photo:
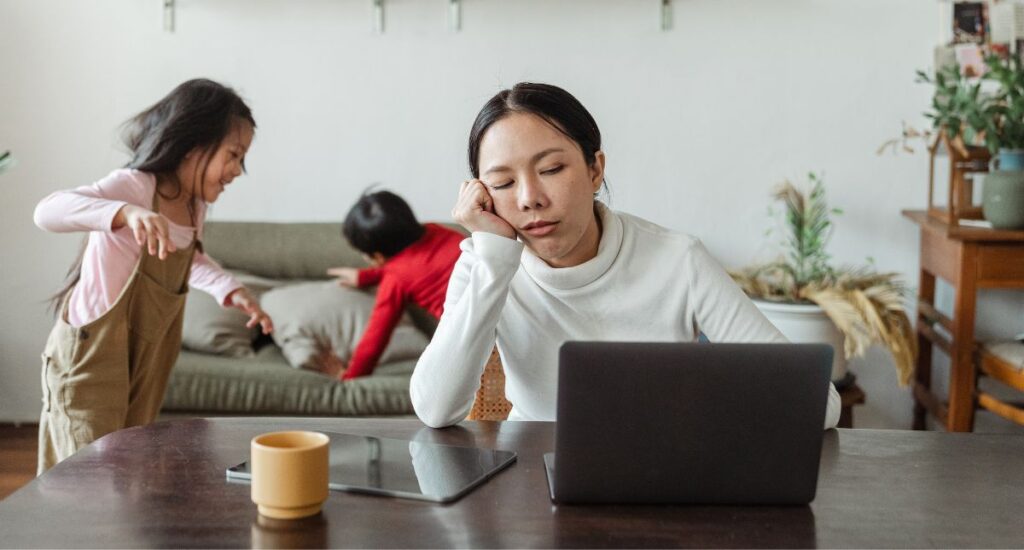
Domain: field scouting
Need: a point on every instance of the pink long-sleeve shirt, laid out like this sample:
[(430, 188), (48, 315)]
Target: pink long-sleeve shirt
[(111, 255)]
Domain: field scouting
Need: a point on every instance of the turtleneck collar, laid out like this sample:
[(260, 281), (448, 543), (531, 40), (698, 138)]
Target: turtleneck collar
[(568, 278)]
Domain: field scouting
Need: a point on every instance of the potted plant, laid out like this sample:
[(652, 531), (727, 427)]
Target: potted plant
[(810, 300), (956, 102), (1003, 129), (958, 109)]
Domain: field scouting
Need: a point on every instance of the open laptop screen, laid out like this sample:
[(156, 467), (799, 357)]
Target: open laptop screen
[(690, 423)]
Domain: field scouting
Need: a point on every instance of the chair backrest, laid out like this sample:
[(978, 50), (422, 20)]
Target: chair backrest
[(1002, 361), (490, 402)]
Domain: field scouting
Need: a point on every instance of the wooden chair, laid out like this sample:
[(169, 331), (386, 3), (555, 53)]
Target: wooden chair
[(1002, 361), (490, 403)]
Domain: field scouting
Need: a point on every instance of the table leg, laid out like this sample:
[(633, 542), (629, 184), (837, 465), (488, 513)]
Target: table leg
[(961, 371), (923, 370)]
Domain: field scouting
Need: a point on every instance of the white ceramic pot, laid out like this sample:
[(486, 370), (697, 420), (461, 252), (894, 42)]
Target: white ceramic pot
[(807, 323)]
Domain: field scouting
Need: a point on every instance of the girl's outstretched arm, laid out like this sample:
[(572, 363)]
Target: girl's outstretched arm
[(241, 299), (208, 276), (92, 207)]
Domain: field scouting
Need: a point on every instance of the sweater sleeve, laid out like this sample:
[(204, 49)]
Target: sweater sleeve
[(725, 314), (208, 276), (447, 375), (369, 276), (92, 207), (387, 311)]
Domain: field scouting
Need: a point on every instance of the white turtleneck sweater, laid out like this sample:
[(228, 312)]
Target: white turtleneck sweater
[(646, 283)]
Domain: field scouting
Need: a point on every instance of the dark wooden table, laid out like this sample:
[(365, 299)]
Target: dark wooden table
[(163, 486)]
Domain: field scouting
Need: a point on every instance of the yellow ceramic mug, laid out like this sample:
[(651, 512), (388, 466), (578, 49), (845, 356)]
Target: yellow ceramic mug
[(289, 473)]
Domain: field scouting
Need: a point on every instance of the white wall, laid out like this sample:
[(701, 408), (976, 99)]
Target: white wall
[(699, 122)]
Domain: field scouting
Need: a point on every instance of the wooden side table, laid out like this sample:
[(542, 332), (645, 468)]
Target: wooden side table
[(849, 396), (969, 258)]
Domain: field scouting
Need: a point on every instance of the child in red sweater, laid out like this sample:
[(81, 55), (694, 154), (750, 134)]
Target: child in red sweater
[(411, 262)]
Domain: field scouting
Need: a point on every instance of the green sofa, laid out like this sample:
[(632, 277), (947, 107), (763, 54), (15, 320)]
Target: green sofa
[(203, 384)]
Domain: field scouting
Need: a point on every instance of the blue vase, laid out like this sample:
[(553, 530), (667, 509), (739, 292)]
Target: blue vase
[(1010, 159), (1002, 199)]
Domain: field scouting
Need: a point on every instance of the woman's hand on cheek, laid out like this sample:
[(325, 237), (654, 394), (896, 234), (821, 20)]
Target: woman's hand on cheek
[(474, 210)]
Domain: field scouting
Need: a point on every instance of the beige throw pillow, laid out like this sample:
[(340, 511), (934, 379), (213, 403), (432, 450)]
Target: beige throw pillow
[(318, 323), (210, 328)]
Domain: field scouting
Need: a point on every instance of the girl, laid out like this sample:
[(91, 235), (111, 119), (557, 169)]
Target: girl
[(587, 273), (118, 330)]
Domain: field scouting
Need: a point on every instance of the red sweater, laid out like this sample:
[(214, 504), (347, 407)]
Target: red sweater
[(418, 274)]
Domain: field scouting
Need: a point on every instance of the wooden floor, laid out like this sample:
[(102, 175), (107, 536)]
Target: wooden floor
[(17, 456)]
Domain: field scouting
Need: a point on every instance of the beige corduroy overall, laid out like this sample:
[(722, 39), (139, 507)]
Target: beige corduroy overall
[(111, 373)]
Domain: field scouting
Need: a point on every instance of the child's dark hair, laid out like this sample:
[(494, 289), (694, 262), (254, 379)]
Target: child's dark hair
[(195, 116), (381, 222)]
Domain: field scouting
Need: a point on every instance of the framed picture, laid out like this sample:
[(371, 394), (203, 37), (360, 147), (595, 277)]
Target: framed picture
[(970, 59), (969, 19)]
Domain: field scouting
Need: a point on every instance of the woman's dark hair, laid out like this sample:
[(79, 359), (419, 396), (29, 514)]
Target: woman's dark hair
[(195, 116), (381, 222), (551, 103)]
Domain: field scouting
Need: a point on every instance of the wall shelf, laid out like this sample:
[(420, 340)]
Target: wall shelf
[(168, 15), (454, 15)]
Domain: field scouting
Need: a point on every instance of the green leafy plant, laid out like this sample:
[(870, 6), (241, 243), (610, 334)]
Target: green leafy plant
[(1003, 122), (865, 305), (957, 105), (958, 110)]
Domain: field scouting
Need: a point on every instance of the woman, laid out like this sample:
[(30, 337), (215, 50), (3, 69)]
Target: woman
[(587, 273)]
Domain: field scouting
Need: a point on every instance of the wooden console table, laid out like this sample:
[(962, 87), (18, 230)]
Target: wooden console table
[(969, 258)]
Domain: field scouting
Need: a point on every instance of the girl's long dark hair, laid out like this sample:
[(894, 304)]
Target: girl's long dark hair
[(195, 116)]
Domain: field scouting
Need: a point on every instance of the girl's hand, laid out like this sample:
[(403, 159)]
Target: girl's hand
[(474, 210), (149, 228), (244, 301), (347, 276)]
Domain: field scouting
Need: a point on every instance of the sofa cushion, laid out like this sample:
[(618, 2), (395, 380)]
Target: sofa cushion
[(317, 322), (282, 250), (266, 384), (211, 328)]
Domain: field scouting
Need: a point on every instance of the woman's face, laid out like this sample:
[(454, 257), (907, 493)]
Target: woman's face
[(541, 185)]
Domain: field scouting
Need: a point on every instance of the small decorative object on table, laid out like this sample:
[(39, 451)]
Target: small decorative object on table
[(957, 109), (966, 162), (811, 301)]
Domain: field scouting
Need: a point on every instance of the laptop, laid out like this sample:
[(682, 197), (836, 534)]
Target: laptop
[(675, 423)]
